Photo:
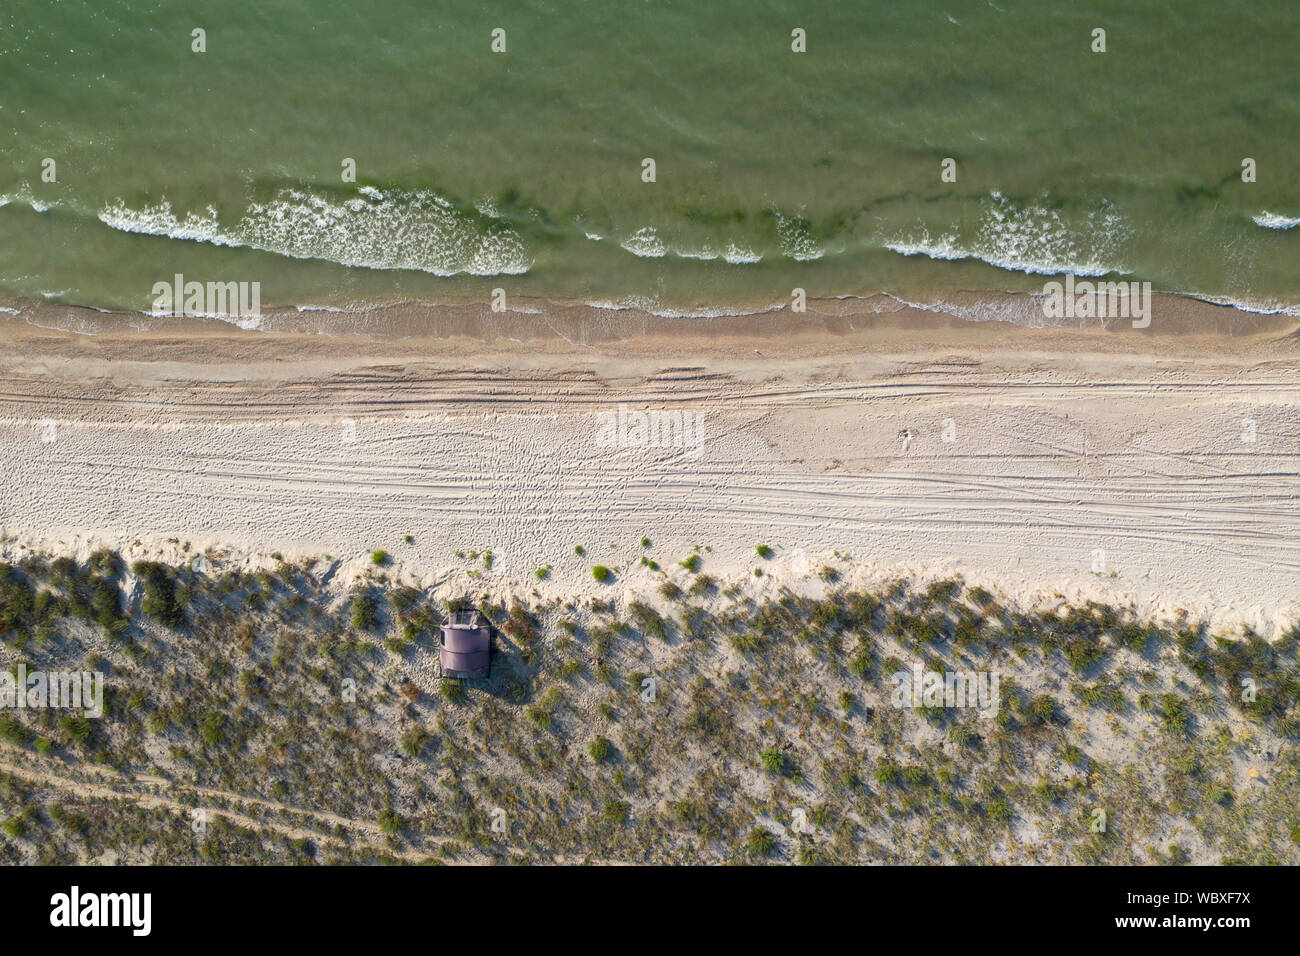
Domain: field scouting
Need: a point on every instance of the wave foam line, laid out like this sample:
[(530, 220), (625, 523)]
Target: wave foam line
[(375, 230), (1273, 220), (1033, 239)]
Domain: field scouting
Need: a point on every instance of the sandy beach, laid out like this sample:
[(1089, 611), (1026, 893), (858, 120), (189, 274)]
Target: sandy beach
[(1158, 471), (647, 434)]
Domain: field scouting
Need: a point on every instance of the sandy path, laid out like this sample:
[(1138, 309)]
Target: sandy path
[(314, 825), (1168, 483), (113, 786)]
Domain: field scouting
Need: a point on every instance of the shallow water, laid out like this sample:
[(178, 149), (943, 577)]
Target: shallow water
[(522, 170)]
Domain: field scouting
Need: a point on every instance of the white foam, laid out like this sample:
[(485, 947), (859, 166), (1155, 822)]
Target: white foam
[(741, 255), (705, 253), (653, 306), (1246, 304), (1032, 238), (247, 322), (665, 312), (1025, 311), (645, 242), (160, 220), (24, 195), (796, 240), (945, 247), (66, 323), (374, 230), (1273, 220)]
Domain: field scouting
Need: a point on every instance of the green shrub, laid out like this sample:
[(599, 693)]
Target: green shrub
[(941, 592), (998, 810), (13, 730), (862, 661), (1173, 714), (413, 741), (670, 591), (808, 856), (703, 585), (162, 600), (1042, 708), (77, 729), (962, 735), (772, 760), (364, 611), (887, 772), (1082, 653), (760, 842), (649, 621), (212, 728)]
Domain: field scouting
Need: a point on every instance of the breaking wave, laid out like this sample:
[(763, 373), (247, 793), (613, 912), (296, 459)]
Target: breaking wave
[(648, 244), (374, 230), (24, 195), (1273, 220), (645, 242), (1033, 238)]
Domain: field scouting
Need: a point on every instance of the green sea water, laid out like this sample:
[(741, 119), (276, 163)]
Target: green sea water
[(523, 169)]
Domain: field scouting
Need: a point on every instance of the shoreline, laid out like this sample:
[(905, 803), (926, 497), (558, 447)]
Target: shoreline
[(1006, 319)]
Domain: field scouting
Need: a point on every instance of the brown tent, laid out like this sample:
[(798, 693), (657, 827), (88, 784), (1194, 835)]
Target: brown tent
[(466, 646)]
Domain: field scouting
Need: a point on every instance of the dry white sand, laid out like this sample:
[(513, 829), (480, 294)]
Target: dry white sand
[(1161, 483)]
